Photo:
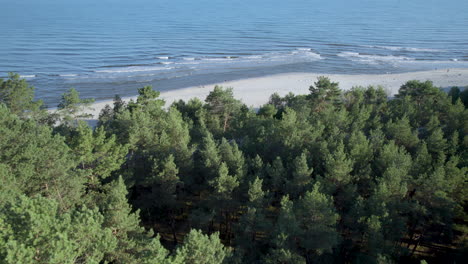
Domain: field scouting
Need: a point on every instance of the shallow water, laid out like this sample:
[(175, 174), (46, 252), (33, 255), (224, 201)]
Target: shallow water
[(115, 46)]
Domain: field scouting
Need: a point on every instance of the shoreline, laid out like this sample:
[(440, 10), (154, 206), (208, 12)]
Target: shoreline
[(256, 91)]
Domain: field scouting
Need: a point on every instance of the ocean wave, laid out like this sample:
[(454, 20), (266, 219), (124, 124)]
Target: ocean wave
[(28, 76), (214, 63), (253, 57), (374, 59), (68, 75), (398, 60), (276, 58), (134, 69), (304, 49), (163, 58), (411, 49), (215, 59)]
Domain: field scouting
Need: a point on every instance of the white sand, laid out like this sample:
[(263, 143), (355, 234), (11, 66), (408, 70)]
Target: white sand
[(256, 91)]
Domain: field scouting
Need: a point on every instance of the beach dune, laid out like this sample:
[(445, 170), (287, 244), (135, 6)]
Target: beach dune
[(255, 92)]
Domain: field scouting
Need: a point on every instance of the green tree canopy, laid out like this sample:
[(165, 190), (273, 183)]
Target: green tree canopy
[(18, 95)]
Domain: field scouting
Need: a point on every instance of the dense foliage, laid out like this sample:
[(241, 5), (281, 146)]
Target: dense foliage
[(329, 177)]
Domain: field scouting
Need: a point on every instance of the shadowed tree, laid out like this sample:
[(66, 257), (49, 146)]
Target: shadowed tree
[(283, 256), (317, 221), (277, 175), (252, 222), (134, 244), (287, 228), (301, 176)]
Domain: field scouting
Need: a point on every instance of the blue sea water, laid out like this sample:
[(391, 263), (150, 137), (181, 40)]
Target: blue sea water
[(107, 47)]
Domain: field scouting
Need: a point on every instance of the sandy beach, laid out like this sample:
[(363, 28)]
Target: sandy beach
[(256, 91)]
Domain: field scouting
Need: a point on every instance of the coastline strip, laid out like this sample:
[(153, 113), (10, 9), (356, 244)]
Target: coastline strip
[(255, 92)]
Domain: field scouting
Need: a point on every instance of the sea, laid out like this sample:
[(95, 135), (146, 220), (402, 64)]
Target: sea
[(108, 47)]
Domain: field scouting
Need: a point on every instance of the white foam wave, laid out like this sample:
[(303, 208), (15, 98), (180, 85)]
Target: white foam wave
[(396, 60), (313, 55), (134, 69), (300, 54), (163, 58), (374, 59), (268, 59), (212, 63), (216, 59), (28, 76), (254, 57), (411, 49), (68, 75)]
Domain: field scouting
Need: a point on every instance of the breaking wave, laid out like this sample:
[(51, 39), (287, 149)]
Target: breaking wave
[(374, 59), (411, 49)]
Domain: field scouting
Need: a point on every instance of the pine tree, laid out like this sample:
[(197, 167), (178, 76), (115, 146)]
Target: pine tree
[(256, 166), (456, 176), (33, 230), (437, 145), (283, 256), (325, 92), (222, 200), (221, 103), (72, 107), (18, 96), (338, 169), (400, 131), (224, 184), (164, 182), (39, 161), (178, 142), (146, 95), (134, 244), (267, 111), (392, 155), (277, 175), (422, 163), (210, 160), (97, 155), (287, 228), (360, 151), (317, 220), (255, 193), (9, 190), (200, 249), (418, 90), (301, 176), (233, 157), (248, 238), (252, 222)]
